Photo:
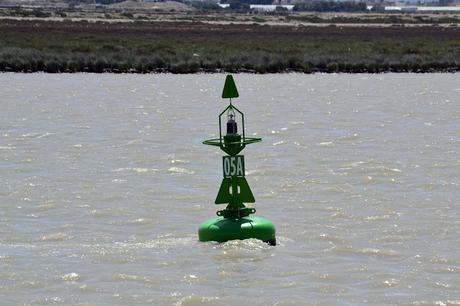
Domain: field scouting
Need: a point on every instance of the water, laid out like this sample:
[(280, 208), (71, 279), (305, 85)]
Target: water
[(104, 181)]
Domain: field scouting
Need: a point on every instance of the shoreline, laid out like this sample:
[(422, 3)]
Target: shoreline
[(227, 72), (242, 71)]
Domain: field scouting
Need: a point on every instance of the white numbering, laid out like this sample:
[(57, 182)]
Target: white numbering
[(233, 166)]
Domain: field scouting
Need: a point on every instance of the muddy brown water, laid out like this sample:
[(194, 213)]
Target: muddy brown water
[(104, 182)]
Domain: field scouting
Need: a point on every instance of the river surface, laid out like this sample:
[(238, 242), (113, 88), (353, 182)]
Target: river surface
[(104, 182)]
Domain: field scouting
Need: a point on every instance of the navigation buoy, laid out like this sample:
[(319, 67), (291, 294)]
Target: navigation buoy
[(234, 222)]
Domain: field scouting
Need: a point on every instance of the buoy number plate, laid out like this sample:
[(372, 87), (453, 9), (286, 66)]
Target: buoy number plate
[(233, 165)]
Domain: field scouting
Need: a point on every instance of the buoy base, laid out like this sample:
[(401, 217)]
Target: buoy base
[(222, 229)]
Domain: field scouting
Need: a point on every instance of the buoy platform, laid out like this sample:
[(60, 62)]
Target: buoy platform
[(222, 229)]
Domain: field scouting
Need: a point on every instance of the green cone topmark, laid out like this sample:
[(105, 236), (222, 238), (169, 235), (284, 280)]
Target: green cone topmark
[(234, 222)]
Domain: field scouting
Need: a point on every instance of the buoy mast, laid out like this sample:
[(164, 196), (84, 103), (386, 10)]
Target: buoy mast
[(234, 221)]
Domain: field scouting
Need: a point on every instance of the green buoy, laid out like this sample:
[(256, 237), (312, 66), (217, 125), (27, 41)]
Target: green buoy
[(234, 222)]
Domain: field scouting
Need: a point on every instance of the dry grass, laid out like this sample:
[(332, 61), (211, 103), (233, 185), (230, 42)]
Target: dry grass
[(184, 47)]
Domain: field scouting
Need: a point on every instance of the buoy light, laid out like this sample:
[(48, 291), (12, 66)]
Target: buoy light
[(232, 127)]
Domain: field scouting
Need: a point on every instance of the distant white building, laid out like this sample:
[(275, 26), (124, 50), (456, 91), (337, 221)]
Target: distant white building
[(262, 7), (438, 8), (413, 9), (270, 7)]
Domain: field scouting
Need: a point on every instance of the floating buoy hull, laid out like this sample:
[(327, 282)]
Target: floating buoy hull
[(222, 229)]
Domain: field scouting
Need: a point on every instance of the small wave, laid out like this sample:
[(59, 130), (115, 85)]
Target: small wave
[(196, 300), (48, 301), (450, 269), (56, 237), (391, 282), (352, 165), (290, 285), (250, 250), (392, 238), (180, 170), (137, 170), (190, 278), (367, 251), (126, 277), (7, 148), (44, 135), (100, 213), (119, 181), (281, 241), (342, 215), (162, 242), (179, 161), (279, 143), (6, 259), (327, 237), (133, 141), (443, 285), (338, 189), (36, 135), (372, 251), (325, 144), (71, 277), (139, 221), (254, 172), (440, 303), (136, 278), (377, 218)]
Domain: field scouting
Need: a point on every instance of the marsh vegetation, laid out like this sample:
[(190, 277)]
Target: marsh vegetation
[(184, 47)]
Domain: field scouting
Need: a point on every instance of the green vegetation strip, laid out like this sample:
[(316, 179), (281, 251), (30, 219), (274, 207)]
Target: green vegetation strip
[(143, 47)]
